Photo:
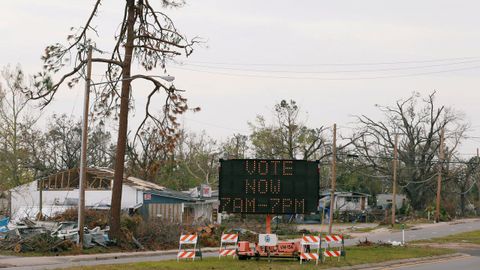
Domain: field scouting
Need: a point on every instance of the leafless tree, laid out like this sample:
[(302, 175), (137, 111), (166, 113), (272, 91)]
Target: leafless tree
[(200, 158), (418, 122)]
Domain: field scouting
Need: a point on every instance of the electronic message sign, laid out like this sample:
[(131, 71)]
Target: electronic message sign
[(260, 186)]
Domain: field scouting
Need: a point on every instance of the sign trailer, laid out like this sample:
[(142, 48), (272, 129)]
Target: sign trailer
[(258, 186), (263, 186)]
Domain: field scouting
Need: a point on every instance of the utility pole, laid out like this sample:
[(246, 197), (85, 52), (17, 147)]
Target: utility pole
[(334, 177), (83, 158), (477, 180), (439, 176), (40, 205), (394, 188)]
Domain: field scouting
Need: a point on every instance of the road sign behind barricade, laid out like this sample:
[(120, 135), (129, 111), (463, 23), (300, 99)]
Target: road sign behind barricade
[(228, 245), (307, 246), (185, 249), (334, 246), (267, 240)]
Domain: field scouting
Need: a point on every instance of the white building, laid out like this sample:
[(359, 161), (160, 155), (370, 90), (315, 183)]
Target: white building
[(384, 201), (345, 201), (60, 192)]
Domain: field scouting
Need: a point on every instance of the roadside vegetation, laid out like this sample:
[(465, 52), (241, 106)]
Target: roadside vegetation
[(355, 256), (472, 237)]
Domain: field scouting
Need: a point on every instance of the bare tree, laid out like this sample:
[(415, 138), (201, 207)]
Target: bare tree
[(15, 121), (200, 158), (147, 155), (146, 36), (419, 122)]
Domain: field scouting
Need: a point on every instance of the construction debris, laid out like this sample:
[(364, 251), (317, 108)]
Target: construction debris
[(45, 236)]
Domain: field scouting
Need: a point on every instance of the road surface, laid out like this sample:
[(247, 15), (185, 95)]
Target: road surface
[(425, 232), (459, 263)]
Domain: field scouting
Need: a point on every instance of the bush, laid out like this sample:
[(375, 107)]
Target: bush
[(158, 234)]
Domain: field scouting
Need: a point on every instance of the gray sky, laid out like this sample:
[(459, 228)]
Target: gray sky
[(273, 50)]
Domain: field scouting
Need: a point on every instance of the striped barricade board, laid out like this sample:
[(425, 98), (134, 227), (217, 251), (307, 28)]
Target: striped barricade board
[(227, 252), (309, 256), (229, 238), (332, 253), (186, 239), (186, 255), (334, 238), (310, 240)]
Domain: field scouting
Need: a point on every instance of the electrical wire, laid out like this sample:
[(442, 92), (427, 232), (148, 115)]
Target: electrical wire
[(339, 64), (328, 79), (331, 71)]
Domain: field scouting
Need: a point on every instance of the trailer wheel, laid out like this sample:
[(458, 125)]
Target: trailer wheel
[(243, 257)]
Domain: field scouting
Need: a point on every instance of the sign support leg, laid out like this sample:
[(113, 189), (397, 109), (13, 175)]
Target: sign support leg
[(268, 223)]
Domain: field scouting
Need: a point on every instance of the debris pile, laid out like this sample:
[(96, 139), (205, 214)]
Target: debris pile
[(367, 243), (48, 236)]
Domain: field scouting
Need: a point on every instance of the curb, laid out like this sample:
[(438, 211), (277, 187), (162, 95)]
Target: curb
[(109, 256), (402, 261)]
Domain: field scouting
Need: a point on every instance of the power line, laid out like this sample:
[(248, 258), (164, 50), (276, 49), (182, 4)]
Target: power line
[(332, 71), (213, 125), (338, 64), (329, 79)]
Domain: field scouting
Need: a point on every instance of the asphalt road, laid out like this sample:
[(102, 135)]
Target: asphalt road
[(461, 263), (431, 231), (434, 230)]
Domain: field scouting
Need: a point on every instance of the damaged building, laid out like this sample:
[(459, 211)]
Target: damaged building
[(58, 192)]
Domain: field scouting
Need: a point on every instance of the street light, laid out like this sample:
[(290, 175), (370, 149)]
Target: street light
[(83, 155), (167, 78)]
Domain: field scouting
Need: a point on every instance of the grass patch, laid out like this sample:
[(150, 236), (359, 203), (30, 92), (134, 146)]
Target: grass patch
[(472, 237), (355, 255)]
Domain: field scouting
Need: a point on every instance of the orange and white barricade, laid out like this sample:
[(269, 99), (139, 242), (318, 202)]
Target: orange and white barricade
[(188, 240), (228, 245), (334, 246), (307, 246)]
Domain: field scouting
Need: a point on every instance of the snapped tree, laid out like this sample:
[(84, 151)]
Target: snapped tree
[(145, 36)]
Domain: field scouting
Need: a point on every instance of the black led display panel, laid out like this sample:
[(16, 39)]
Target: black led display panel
[(261, 186)]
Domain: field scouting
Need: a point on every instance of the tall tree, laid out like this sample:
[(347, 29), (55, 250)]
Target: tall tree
[(15, 123), (146, 36), (200, 158), (418, 121), (287, 137), (235, 146)]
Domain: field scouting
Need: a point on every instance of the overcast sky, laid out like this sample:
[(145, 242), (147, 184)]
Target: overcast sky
[(329, 56)]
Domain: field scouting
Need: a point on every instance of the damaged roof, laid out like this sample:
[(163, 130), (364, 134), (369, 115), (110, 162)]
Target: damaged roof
[(128, 180)]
